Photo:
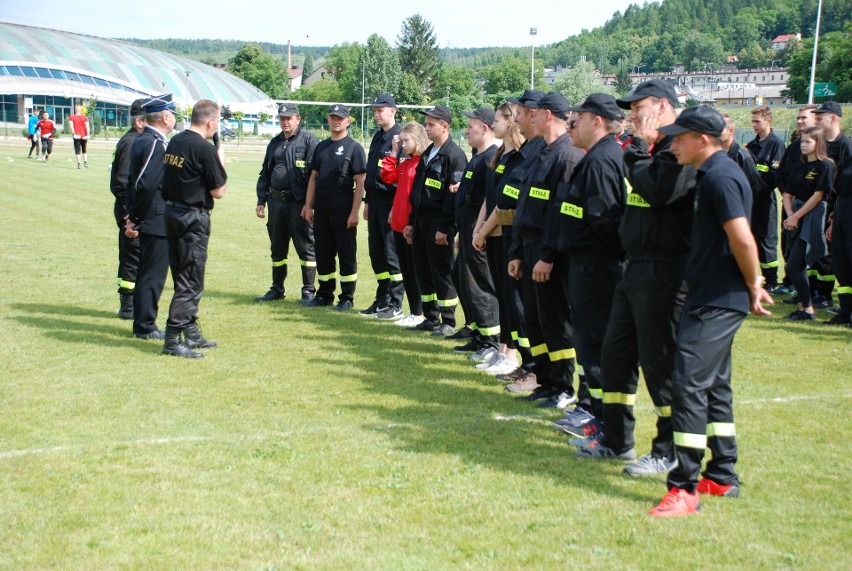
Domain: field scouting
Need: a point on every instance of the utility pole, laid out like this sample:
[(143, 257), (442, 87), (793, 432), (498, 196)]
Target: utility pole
[(813, 60), (533, 34)]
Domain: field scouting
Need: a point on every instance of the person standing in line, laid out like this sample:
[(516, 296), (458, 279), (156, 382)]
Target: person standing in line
[(387, 304), (282, 185), (194, 174), (724, 284), (80, 131), (767, 148), (31, 134), (45, 130), (811, 183), (412, 142), (332, 205), (432, 224), (119, 182), (145, 209)]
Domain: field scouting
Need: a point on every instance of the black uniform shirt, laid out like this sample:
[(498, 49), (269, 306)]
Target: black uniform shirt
[(712, 274), (515, 174), (494, 186), (430, 195), (767, 158), (192, 170), (119, 174), (380, 147), (583, 220), (745, 161), (792, 157), (471, 193), (286, 165), (843, 184), (840, 151), (336, 164), (812, 176), (145, 204)]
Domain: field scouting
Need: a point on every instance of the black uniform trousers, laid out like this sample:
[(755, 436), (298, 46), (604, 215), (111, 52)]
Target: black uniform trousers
[(188, 234), (821, 276), (841, 254), (495, 252), (764, 226), (434, 267), (547, 320), (383, 255), (591, 284), (513, 303), (150, 280), (702, 403), (285, 223), (333, 239), (409, 276), (642, 329), (476, 284), (128, 253)]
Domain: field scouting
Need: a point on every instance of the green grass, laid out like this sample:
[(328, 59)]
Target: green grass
[(316, 440)]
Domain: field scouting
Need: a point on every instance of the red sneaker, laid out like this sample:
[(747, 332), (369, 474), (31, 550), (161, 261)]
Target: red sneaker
[(711, 488), (677, 502)]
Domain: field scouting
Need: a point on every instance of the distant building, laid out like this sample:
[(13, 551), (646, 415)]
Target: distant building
[(780, 42)]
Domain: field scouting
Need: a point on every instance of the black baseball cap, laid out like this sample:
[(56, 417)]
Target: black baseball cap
[(652, 88), (288, 110), (339, 110), (600, 104), (700, 119), (554, 102), (830, 107), (483, 114), (136, 108), (528, 96), (439, 112), (384, 100)]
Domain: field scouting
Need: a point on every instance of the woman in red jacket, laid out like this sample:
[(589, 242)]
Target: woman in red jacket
[(413, 142)]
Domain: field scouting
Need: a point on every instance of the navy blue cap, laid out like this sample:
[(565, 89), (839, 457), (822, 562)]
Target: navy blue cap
[(159, 103), (700, 119)]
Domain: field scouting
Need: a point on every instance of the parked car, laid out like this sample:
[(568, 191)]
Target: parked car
[(225, 132)]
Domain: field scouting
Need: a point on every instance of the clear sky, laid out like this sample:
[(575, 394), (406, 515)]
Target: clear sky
[(479, 23)]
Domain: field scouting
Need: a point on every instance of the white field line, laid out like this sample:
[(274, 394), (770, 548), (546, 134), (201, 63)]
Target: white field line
[(827, 396)]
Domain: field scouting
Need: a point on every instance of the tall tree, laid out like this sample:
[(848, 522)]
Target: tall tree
[(261, 70), (418, 49), (579, 82), (623, 81), (834, 60), (307, 66), (344, 63), (382, 73)]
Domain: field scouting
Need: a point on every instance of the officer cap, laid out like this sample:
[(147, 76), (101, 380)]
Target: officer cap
[(159, 103)]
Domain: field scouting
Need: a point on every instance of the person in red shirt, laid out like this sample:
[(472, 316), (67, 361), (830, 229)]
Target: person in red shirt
[(413, 142), (45, 129), (80, 132)]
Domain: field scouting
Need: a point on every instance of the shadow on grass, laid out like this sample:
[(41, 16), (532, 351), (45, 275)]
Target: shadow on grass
[(233, 298), (57, 323), (443, 405)]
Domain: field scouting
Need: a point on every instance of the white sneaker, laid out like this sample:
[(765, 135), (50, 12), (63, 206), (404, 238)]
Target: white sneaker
[(503, 366), (409, 320), (494, 358)]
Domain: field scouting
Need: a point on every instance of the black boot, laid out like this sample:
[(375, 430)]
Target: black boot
[(125, 311), (194, 339), (279, 274), (173, 345)]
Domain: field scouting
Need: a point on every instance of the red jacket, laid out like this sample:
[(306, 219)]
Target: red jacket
[(402, 175)]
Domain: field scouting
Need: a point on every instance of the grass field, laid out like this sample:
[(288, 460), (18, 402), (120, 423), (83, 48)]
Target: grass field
[(312, 440)]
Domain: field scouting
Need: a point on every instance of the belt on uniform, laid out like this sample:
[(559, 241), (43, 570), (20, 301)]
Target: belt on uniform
[(181, 206), (284, 195)]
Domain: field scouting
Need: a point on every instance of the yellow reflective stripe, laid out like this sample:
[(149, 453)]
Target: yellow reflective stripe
[(523, 342), (663, 411), (301, 164), (380, 163), (473, 326), (634, 199), (349, 278), (448, 302), (580, 371), (433, 183), (396, 277), (687, 440), (308, 263), (844, 290), (561, 354), (327, 277), (511, 191), (828, 278), (427, 297), (383, 276), (596, 393), (762, 168), (490, 330), (540, 193), (769, 265), (626, 399), (514, 335), (538, 350), (126, 284), (500, 169), (468, 174), (571, 210), (720, 429), (628, 186), (812, 273), (279, 263)]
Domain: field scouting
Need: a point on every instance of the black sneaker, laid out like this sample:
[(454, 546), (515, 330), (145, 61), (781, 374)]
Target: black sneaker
[(319, 302), (370, 311), (463, 333), (156, 335), (470, 347), (792, 300), (442, 330), (343, 305), (306, 300), (273, 294), (424, 325), (541, 393), (801, 315), (838, 320), (822, 303)]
